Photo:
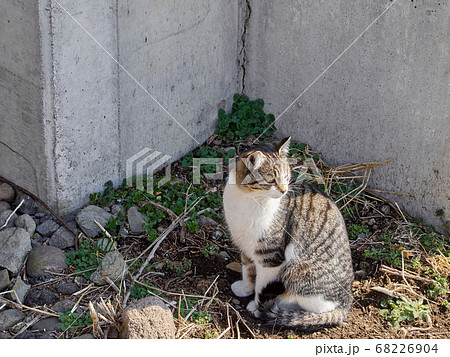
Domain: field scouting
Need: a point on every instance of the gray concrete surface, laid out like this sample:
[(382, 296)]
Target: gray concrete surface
[(386, 97), (21, 110), (80, 81)]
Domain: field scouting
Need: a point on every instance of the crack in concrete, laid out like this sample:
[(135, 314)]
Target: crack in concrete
[(243, 60)]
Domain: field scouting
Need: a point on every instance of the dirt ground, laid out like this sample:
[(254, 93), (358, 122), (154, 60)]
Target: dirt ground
[(197, 282)]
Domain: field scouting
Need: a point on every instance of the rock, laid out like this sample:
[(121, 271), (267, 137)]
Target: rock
[(6, 192), (47, 228), (105, 245), (21, 288), (147, 318), (40, 215), (33, 336), (371, 222), (26, 222), (28, 206), (386, 209), (224, 255), (62, 239), (362, 236), (4, 279), (41, 297), (4, 206), (218, 234), (15, 243), (5, 335), (235, 266), (85, 219), (86, 336), (63, 305), (45, 258), (115, 209), (39, 238), (9, 318), (206, 221), (112, 266), (4, 217), (48, 324), (66, 287), (136, 220)]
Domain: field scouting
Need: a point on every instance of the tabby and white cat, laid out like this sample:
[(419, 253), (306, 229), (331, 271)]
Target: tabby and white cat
[(293, 241)]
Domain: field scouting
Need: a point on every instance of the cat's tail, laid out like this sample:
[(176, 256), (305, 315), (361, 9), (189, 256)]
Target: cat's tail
[(304, 320)]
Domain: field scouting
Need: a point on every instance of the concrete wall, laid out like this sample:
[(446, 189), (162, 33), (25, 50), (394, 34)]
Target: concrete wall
[(21, 110), (386, 97), (79, 80), (184, 55)]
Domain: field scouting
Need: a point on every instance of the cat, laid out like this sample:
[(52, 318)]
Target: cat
[(294, 246)]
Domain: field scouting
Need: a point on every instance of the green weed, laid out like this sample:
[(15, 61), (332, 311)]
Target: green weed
[(439, 288), (179, 267), (399, 311), (73, 321), (246, 118), (390, 252), (354, 230), (85, 259), (210, 249)]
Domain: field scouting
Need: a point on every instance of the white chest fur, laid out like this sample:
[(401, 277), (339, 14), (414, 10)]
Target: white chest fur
[(248, 215)]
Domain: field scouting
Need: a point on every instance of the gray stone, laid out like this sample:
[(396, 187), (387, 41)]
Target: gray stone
[(85, 219), (86, 336), (206, 221), (6, 192), (5, 335), (41, 297), (224, 255), (20, 288), (47, 228), (62, 238), (26, 222), (4, 206), (48, 324), (45, 258), (15, 243), (9, 318), (4, 215), (28, 206), (218, 234), (34, 336), (40, 215), (105, 245), (136, 220), (66, 287), (147, 318), (63, 305), (115, 209), (4, 279), (112, 266)]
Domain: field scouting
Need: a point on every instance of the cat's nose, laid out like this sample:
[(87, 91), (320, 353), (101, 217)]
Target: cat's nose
[(282, 189)]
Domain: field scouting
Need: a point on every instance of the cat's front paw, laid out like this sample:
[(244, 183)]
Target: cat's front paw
[(253, 308), (242, 288)]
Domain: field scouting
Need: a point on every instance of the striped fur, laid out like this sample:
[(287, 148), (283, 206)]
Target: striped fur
[(295, 250)]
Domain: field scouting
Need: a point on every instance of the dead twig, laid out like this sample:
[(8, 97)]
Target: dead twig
[(392, 271)]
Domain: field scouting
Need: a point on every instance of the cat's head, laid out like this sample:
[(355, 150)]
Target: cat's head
[(264, 169)]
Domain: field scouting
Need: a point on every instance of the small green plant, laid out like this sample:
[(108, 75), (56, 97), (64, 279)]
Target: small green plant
[(179, 267), (73, 321), (85, 259), (389, 252), (354, 230), (116, 224), (138, 291), (211, 334), (200, 317), (399, 311), (246, 118), (210, 249), (439, 288)]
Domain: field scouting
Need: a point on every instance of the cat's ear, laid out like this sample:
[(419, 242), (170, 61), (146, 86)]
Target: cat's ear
[(255, 160), (283, 146)]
